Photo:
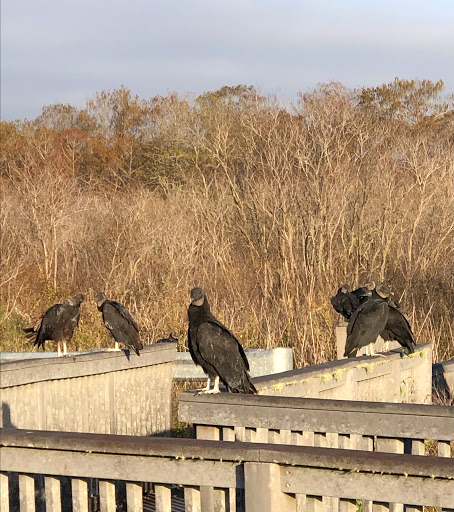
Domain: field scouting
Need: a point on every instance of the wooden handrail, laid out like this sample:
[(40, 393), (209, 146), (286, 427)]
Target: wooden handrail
[(411, 421), (193, 449)]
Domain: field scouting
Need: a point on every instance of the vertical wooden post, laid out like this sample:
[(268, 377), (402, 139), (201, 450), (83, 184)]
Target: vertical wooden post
[(163, 498), (417, 448), (444, 449), (79, 489), (263, 489), (228, 434), (107, 496), (207, 432), (26, 493), (192, 499), (134, 497), (207, 492), (380, 507), (347, 505), (4, 492), (52, 488), (220, 500), (261, 435), (388, 445)]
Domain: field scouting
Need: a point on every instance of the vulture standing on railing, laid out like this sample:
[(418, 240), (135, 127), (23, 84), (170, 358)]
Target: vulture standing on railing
[(368, 321), (346, 302), (57, 324), (120, 323), (216, 349), (398, 328)]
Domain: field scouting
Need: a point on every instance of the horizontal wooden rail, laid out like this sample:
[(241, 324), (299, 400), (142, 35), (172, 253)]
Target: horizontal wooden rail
[(391, 377), (371, 426), (182, 450), (28, 371), (317, 415), (287, 475)]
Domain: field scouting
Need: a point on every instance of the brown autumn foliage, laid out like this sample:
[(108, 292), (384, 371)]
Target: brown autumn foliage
[(268, 208)]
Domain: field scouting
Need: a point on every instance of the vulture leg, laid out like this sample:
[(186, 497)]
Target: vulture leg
[(59, 354), (65, 351), (117, 347), (206, 388), (208, 391), (386, 346), (216, 386), (372, 351)]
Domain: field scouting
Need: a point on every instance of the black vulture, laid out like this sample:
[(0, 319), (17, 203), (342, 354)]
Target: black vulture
[(119, 322), (173, 338), (368, 321), (398, 328), (346, 302), (216, 349), (57, 324)]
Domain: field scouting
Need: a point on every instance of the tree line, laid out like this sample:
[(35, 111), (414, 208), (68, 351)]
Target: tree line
[(270, 208)]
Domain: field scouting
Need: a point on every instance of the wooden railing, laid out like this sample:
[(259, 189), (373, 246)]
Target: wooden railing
[(99, 392), (217, 476), (390, 377), (372, 426)]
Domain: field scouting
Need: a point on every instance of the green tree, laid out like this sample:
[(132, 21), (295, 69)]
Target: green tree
[(410, 101)]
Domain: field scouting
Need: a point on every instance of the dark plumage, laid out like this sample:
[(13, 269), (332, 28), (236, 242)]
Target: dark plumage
[(216, 349), (119, 322), (368, 321), (346, 302), (173, 338), (57, 324), (398, 328)]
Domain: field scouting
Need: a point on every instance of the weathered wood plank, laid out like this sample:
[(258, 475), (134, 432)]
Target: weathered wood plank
[(348, 505), (368, 486), (163, 497), (134, 497), (301, 502), (444, 449), (208, 432), (18, 454), (26, 493), (124, 467), (79, 489), (52, 489), (389, 445), (220, 500), (315, 504), (263, 489), (107, 496), (228, 434), (380, 507), (192, 501), (283, 413), (417, 448), (18, 373), (4, 492)]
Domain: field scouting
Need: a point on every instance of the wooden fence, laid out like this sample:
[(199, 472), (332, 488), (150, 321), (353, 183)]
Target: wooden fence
[(218, 476), (390, 377), (99, 392), (382, 427)]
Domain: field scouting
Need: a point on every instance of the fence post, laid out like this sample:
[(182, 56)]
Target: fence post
[(4, 492), (262, 483), (341, 338)]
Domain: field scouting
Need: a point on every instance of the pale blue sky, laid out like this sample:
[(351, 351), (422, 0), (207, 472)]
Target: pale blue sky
[(65, 51)]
